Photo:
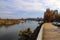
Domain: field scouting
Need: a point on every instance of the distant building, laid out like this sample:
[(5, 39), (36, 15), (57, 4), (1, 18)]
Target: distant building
[(56, 11)]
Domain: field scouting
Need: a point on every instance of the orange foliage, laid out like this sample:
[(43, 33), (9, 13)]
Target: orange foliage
[(49, 15)]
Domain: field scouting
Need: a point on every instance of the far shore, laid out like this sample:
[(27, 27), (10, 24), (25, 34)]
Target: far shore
[(6, 22)]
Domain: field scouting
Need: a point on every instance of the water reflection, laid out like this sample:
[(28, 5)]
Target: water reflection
[(11, 32)]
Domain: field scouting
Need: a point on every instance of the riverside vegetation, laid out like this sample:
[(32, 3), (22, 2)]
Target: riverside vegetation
[(28, 34), (8, 22)]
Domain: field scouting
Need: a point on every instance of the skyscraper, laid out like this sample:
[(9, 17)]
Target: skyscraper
[(56, 11)]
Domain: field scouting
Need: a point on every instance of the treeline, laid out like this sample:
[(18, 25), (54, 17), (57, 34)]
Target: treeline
[(57, 18)]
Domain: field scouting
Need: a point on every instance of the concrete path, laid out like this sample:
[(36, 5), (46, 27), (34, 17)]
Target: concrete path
[(49, 32)]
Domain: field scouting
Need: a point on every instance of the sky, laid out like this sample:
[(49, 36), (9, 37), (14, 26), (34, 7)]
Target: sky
[(26, 8)]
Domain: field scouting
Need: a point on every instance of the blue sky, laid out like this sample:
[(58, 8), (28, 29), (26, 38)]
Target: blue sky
[(26, 8)]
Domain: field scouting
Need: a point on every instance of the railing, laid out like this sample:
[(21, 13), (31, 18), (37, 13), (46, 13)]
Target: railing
[(40, 34)]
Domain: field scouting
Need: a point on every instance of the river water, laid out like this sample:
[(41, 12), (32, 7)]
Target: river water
[(11, 32)]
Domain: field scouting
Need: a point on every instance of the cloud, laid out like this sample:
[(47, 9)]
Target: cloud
[(24, 8), (5, 12), (53, 4), (27, 5)]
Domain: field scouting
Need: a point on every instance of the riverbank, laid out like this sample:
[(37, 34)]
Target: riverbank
[(28, 34), (7, 22)]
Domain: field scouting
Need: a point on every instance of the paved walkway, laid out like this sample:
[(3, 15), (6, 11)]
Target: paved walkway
[(50, 32)]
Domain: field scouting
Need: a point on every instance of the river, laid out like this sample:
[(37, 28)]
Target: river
[(11, 32)]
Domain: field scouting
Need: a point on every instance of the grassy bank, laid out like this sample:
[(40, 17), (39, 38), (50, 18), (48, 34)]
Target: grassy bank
[(10, 21)]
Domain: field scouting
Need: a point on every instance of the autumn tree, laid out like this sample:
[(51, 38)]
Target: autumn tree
[(49, 15)]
